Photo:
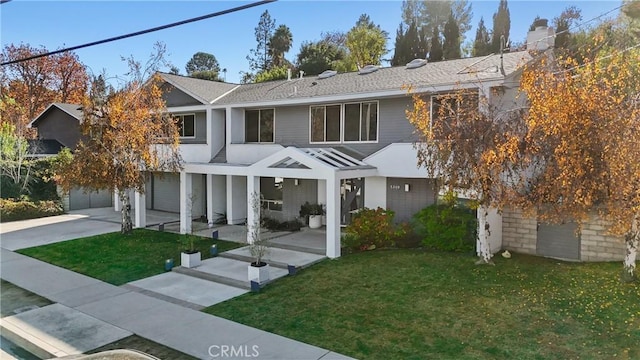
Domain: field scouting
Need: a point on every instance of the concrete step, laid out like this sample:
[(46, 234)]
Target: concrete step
[(297, 248), (227, 271), (276, 257)]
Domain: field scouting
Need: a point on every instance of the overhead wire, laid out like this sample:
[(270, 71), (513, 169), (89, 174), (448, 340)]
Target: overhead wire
[(141, 32)]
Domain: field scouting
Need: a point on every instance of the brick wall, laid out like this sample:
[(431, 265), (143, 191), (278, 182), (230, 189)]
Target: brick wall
[(519, 234)]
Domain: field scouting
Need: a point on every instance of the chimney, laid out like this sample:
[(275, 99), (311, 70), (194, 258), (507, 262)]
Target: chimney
[(542, 38), (288, 74), (301, 74)]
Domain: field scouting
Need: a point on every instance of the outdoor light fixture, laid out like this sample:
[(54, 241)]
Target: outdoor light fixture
[(406, 187), (168, 265), (214, 250), (295, 182)]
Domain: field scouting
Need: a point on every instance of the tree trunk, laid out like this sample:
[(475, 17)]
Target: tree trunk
[(127, 225), (484, 250), (632, 241)]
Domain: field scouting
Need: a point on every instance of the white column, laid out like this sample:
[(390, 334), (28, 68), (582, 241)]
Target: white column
[(140, 210), (186, 189), (117, 204), (229, 199), (209, 198), (333, 217), (322, 196), (253, 215)]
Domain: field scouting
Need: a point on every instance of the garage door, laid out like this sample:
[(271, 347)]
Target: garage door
[(79, 200), (166, 193), (558, 241)]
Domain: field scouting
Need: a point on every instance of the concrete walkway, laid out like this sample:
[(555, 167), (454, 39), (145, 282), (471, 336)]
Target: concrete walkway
[(186, 330)]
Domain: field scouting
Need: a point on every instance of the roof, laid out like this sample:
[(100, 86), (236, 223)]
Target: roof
[(384, 79), (205, 91), (74, 110)]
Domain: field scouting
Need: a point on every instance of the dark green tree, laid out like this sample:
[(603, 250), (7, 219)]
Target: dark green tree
[(260, 57), (435, 51), (316, 57), (202, 61), (501, 26), (482, 42), (428, 13), (366, 42), (451, 46), (410, 44), (563, 23), (533, 24), (279, 44)]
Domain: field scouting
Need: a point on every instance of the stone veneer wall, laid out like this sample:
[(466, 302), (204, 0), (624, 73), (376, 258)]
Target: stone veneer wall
[(519, 234)]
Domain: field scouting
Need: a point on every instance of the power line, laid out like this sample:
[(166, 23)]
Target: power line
[(141, 32), (620, 52)]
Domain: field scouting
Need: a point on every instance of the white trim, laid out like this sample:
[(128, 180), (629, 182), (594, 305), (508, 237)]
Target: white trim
[(223, 95), (325, 124), (190, 108), (194, 124)]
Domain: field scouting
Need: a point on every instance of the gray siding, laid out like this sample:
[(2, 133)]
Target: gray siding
[(295, 195), (58, 125), (558, 241), (420, 195), (292, 126), (174, 97), (79, 199)]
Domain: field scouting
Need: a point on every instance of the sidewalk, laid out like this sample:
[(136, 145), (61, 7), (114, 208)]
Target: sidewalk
[(186, 330)]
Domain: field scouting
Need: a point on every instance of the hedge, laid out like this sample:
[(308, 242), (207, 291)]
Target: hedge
[(11, 210)]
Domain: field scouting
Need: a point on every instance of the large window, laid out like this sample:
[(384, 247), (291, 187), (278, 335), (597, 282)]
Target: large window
[(357, 122), (258, 125), (448, 109), (186, 125), (361, 122)]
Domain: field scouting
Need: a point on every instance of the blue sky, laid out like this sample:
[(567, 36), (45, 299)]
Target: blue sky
[(57, 24)]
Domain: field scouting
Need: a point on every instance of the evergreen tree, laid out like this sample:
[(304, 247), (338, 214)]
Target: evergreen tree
[(401, 49), (482, 43), (410, 44), (259, 58), (501, 26), (279, 44), (563, 23), (429, 13), (435, 52), (451, 47)]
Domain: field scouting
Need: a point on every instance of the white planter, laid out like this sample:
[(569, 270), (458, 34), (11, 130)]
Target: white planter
[(315, 221), (190, 260), (258, 274)]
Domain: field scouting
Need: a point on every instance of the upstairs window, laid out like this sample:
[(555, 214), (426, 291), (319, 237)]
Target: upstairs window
[(186, 125), (325, 123), (361, 122), (448, 109), (258, 125)]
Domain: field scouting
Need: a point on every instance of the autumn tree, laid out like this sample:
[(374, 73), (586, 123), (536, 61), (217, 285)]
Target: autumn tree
[(129, 134), (462, 137), (36, 83), (583, 145)]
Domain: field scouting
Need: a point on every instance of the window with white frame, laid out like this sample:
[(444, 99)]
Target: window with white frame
[(186, 125), (258, 125), (353, 122)]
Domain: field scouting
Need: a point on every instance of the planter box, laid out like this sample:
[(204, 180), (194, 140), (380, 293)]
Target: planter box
[(258, 274), (315, 221), (190, 260)]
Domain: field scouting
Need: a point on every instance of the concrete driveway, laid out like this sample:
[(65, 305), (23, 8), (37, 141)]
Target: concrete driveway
[(17, 235)]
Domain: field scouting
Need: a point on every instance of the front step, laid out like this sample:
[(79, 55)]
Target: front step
[(297, 248), (227, 271), (276, 257)]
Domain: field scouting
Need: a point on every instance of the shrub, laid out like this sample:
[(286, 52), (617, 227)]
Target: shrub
[(21, 210), (371, 229), (446, 227), (275, 225)]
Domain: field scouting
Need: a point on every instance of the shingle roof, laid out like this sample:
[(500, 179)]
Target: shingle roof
[(390, 78), (206, 90)]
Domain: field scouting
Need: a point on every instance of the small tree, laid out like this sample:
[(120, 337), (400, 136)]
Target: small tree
[(14, 161), (129, 134), (259, 246), (366, 42)]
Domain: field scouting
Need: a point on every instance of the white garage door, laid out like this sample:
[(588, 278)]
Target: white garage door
[(80, 200), (558, 241)]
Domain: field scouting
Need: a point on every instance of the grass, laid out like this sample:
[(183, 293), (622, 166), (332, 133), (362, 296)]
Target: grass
[(119, 259), (410, 304)]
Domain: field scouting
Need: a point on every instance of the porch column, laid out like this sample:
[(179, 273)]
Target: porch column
[(186, 189), (253, 209), (333, 217), (140, 209), (209, 199), (117, 204), (322, 195)]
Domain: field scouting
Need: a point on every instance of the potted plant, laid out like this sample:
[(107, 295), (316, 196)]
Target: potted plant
[(314, 213), (258, 270), (190, 257)]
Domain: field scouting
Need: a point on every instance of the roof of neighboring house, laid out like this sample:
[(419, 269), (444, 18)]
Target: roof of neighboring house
[(384, 79), (74, 110), (205, 91), (44, 146)]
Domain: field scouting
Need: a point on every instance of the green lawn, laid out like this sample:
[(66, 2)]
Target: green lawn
[(118, 259), (410, 304)]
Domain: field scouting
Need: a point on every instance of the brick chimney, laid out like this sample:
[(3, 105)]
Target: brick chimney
[(542, 38)]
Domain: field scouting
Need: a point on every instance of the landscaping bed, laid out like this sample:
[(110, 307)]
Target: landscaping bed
[(412, 304), (119, 259)]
